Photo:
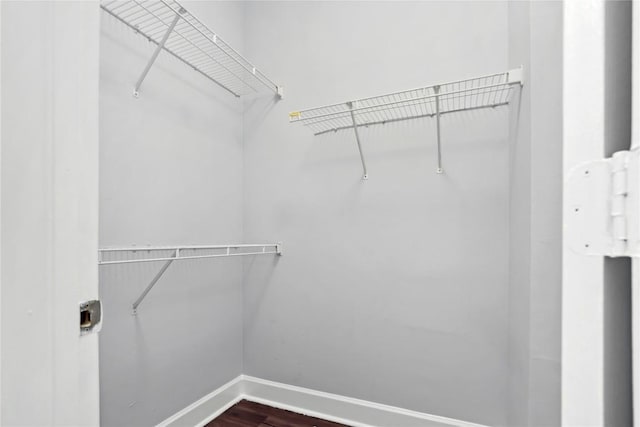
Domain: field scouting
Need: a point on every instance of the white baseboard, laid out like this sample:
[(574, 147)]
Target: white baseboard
[(209, 407), (331, 407)]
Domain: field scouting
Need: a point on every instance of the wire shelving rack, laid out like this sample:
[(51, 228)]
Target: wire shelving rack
[(488, 91), (173, 29), (169, 254)]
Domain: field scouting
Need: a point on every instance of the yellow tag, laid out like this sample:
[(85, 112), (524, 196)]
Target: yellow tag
[(295, 114)]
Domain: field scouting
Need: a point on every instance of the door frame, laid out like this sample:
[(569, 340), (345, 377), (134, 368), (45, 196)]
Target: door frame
[(53, 175)]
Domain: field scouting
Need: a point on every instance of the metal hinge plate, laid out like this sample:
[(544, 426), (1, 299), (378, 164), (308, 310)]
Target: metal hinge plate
[(602, 214)]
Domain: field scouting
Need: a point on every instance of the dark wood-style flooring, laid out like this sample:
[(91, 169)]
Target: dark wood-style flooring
[(251, 414)]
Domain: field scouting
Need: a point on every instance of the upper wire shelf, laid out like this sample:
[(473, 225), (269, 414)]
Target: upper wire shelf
[(488, 91), (172, 28)]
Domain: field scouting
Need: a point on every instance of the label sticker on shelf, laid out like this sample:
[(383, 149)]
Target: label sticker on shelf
[(294, 115)]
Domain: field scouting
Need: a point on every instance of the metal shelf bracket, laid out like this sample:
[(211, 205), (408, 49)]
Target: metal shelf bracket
[(153, 282), (156, 52), (351, 106), (603, 209), (436, 89)]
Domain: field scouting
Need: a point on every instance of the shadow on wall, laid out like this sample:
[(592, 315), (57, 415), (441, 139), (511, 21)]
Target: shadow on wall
[(263, 268), (396, 144), (255, 112)]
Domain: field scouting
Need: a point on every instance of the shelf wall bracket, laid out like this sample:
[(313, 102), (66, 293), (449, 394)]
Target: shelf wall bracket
[(436, 90), (351, 106), (153, 282), (156, 52)]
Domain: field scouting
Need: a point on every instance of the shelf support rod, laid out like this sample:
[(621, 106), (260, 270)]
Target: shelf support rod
[(156, 53), (153, 282), (436, 89), (365, 175)]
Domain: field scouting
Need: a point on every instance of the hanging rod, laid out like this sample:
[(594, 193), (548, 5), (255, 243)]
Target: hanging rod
[(173, 29), (177, 254), (490, 91)]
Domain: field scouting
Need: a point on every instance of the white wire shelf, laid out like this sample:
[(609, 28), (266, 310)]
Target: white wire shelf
[(169, 254), (173, 29), (489, 91)]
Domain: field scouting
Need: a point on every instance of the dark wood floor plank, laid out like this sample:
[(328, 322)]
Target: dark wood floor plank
[(239, 416), (252, 414), (280, 418), (283, 416), (230, 422), (298, 421), (247, 414)]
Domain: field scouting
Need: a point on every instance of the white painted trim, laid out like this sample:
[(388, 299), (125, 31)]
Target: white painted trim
[(331, 407), (334, 407), (583, 277), (208, 407), (54, 176)]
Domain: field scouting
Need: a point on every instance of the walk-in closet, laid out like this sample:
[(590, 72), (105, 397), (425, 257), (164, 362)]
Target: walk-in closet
[(318, 213)]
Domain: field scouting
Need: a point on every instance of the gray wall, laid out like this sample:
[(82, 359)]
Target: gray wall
[(546, 212), (434, 293), (535, 32), (393, 290), (519, 220), (170, 174)]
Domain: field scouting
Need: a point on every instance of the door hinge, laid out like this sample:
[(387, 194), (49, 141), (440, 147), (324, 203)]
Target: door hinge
[(602, 214)]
